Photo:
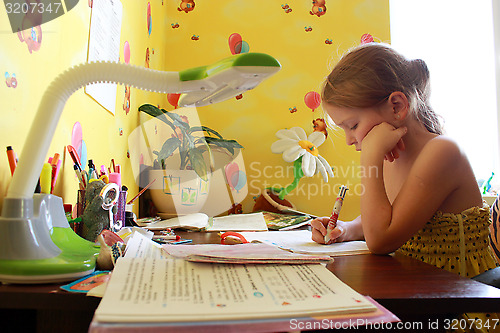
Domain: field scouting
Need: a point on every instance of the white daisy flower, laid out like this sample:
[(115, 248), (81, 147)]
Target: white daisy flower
[(294, 143)]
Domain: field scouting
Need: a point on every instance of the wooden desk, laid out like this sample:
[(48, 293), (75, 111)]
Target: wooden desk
[(403, 285), (408, 286), (44, 308)]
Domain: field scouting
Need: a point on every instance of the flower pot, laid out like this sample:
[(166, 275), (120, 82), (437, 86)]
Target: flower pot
[(178, 192), (270, 202)]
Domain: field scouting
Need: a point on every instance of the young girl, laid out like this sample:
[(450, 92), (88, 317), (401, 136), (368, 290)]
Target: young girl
[(420, 196)]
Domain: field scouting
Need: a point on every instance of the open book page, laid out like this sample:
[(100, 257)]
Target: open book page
[(300, 241), (173, 290), (140, 246), (257, 253), (195, 221), (200, 221), (238, 222)]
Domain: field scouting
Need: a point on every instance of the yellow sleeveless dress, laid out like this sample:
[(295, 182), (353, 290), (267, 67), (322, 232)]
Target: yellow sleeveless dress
[(458, 243)]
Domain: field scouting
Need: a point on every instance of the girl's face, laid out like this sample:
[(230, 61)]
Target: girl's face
[(356, 122)]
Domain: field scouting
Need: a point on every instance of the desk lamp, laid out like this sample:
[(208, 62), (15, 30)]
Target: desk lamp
[(37, 244)]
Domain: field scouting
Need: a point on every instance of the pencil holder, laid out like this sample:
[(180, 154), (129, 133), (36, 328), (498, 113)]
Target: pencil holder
[(80, 203)]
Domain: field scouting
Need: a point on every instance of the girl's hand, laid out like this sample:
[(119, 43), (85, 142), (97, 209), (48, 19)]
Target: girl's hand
[(319, 230), (384, 140)]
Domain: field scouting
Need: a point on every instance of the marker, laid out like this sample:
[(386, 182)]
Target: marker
[(92, 172), (45, 178), (80, 178), (104, 171), (85, 177), (183, 241), (55, 163), (116, 178), (74, 156), (54, 159), (332, 222), (11, 155), (104, 178)]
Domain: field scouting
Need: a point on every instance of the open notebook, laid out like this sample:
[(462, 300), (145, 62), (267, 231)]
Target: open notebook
[(300, 241)]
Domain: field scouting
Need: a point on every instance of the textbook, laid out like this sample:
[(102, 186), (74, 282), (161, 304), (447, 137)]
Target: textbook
[(201, 222), (147, 290)]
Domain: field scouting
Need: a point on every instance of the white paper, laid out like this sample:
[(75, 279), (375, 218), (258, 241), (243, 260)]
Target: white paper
[(258, 253), (300, 241), (140, 246), (195, 221), (153, 290), (104, 45), (200, 221), (239, 222)]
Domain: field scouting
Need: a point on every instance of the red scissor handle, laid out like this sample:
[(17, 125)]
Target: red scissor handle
[(232, 234)]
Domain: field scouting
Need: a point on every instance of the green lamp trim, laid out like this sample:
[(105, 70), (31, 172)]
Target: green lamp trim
[(78, 255), (244, 59)]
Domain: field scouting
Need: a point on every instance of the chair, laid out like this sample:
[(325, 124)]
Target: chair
[(492, 277), (495, 228)]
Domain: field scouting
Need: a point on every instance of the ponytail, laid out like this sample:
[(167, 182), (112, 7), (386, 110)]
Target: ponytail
[(424, 113)]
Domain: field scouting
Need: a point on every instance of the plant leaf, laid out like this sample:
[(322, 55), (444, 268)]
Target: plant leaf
[(229, 145), (169, 146), (198, 163), (189, 141), (151, 110), (154, 111), (205, 129), (177, 120)]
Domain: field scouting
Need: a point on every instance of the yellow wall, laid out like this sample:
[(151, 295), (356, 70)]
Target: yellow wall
[(305, 58), (296, 38), (64, 44)]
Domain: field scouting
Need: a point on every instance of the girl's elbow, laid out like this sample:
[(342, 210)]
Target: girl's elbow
[(380, 248)]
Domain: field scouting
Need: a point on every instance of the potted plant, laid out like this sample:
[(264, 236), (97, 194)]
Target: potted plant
[(183, 185)]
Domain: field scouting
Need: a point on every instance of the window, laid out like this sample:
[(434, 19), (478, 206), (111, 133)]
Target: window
[(455, 38)]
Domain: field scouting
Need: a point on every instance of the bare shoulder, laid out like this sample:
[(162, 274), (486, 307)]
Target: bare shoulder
[(442, 150), (442, 161)]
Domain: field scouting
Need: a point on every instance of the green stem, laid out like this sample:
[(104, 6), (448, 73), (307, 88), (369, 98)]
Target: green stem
[(297, 174), (284, 191)]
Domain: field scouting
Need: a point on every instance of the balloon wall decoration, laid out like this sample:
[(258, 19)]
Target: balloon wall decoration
[(312, 100)]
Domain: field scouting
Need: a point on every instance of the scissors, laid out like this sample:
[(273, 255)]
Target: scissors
[(231, 234)]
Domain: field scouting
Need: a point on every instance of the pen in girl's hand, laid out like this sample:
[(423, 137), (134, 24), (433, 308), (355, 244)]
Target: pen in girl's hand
[(332, 222)]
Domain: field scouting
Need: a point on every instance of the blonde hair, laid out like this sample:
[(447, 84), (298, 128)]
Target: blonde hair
[(368, 74)]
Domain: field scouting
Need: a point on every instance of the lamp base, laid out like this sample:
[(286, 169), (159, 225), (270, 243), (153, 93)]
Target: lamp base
[(38, 245)]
